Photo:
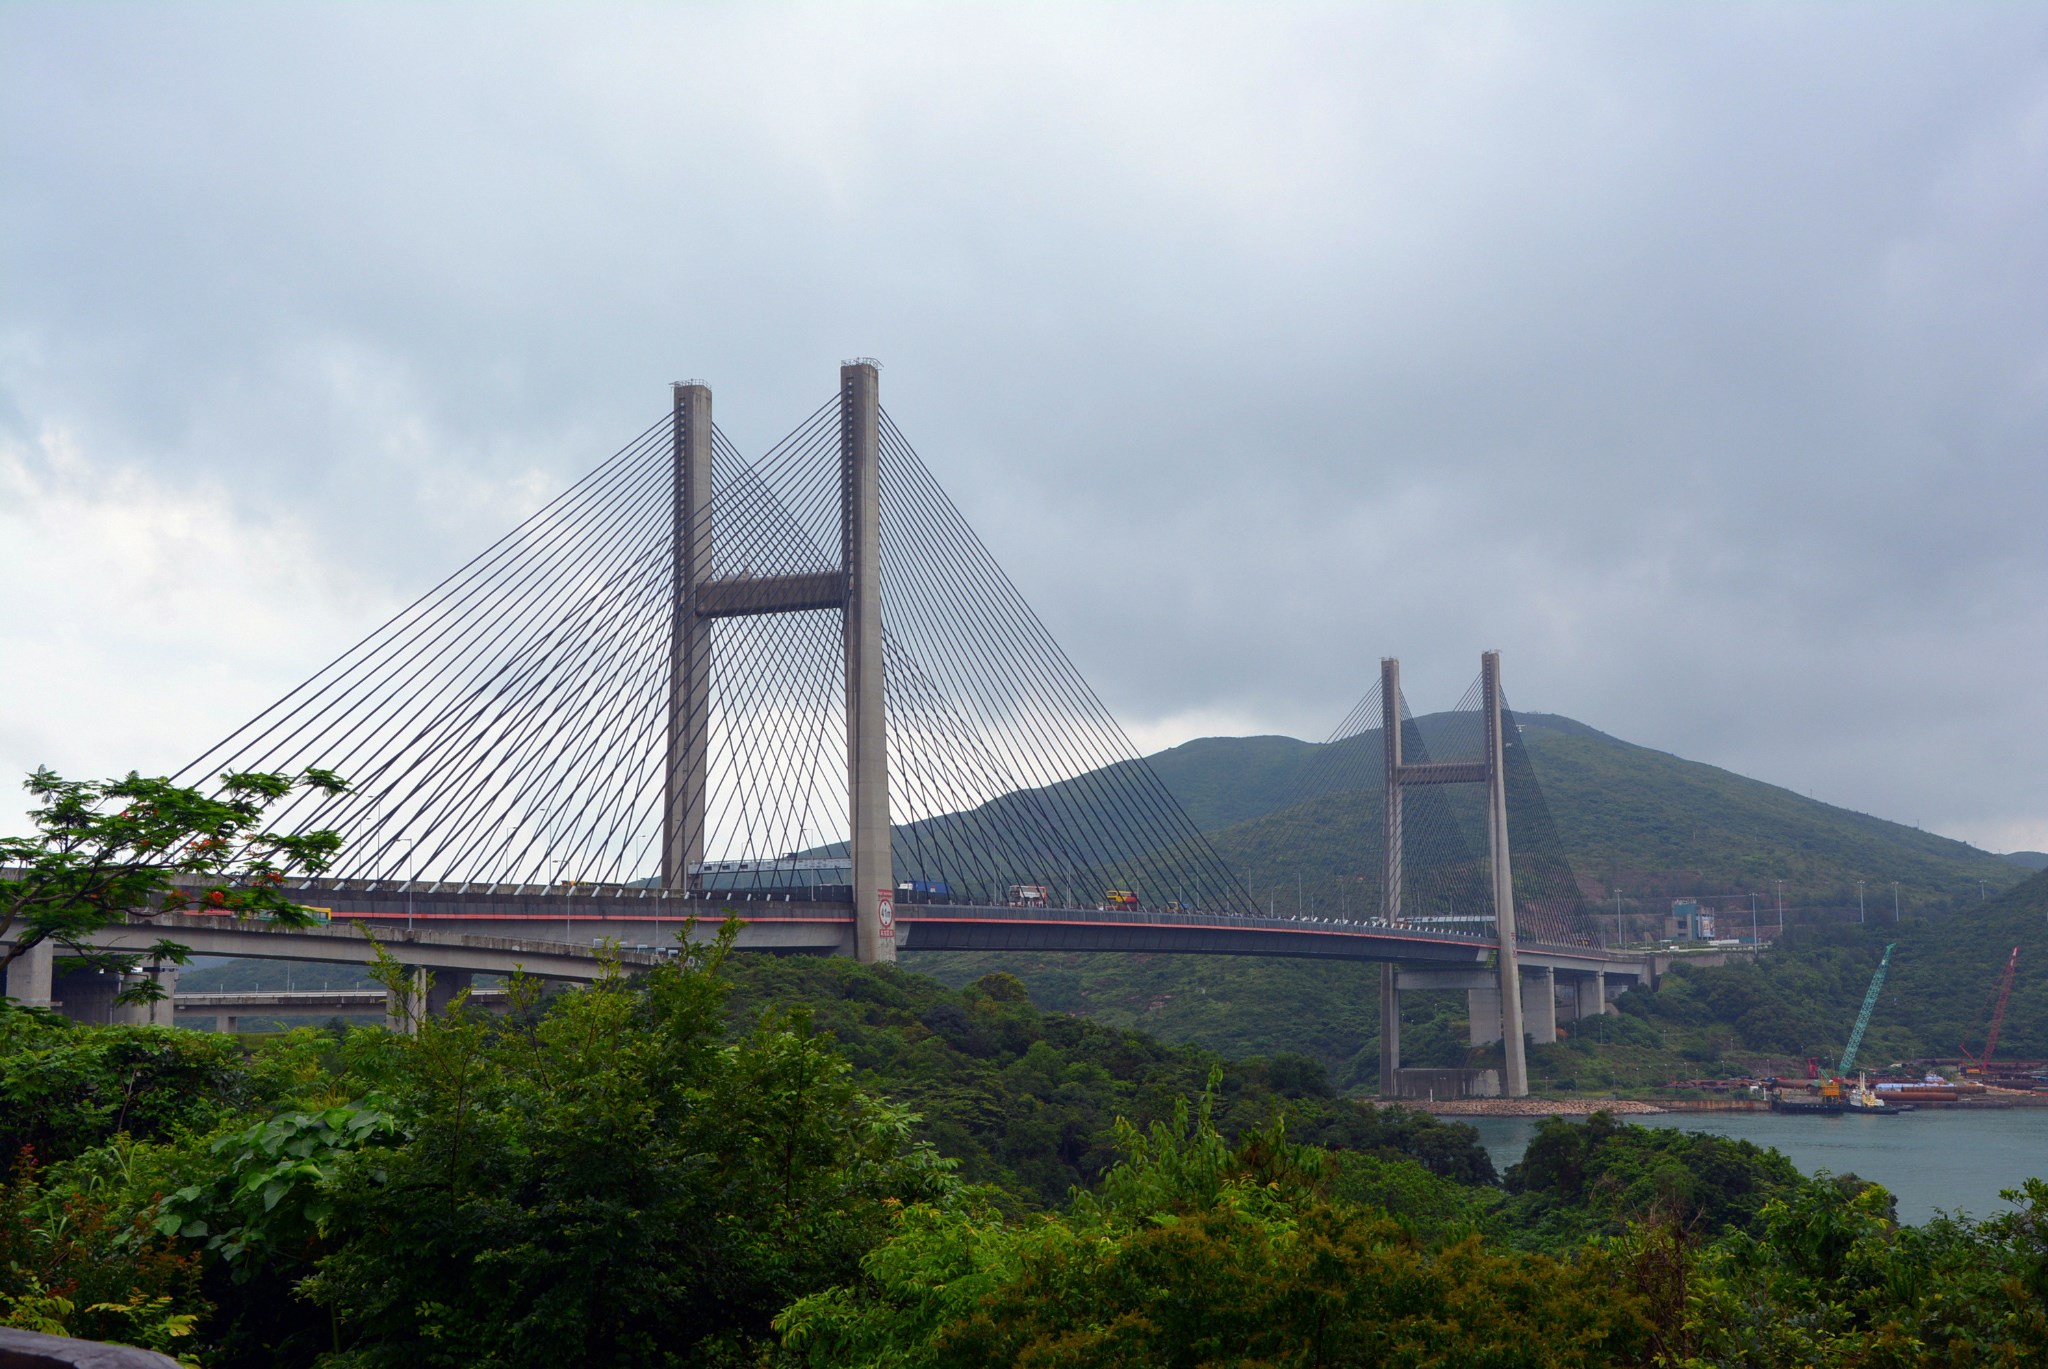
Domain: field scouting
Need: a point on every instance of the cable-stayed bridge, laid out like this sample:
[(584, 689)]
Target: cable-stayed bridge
[(798, 688)]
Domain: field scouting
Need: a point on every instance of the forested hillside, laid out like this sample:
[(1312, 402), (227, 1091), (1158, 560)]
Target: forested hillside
[(1626, 816), (1649, 823), (1937, 996)]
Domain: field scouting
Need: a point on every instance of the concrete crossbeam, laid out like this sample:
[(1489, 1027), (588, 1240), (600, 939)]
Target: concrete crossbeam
[(1427, 980), (744, 597), (1444, 772)]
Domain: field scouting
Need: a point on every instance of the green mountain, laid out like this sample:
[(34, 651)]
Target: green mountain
[(1647, 822), (1653, 825)]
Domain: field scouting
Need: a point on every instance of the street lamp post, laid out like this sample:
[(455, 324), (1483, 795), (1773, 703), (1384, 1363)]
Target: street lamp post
[(1895, 901), (1859, 903)]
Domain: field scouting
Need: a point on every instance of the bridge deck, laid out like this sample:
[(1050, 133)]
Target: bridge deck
[(638, 918)]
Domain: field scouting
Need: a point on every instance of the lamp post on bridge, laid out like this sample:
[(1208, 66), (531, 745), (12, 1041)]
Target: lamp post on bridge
[(1859, 903)]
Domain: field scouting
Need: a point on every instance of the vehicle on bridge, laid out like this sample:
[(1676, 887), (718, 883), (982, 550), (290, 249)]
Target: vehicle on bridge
[(1119, 900), (924, 891), (804, 877), (320, 916), (1029, 896)]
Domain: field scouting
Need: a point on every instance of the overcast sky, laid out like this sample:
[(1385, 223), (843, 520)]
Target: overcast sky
[(1695, 357)]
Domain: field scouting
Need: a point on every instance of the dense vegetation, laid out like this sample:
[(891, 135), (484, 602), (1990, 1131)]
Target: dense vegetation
[(1800, 1000), (1625, 816), (813, 1162), (1645, 821)]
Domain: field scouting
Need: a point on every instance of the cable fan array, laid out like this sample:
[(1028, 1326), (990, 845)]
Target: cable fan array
[(512, 726), (1007, 773)]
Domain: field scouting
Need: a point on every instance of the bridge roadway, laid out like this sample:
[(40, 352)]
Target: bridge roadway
[(429, 925)]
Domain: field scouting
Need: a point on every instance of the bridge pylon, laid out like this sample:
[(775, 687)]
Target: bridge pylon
[(854, 589), (1490, 770)]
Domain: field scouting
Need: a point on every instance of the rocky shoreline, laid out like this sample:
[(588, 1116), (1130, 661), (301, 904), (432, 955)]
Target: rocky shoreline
[(1534, 1107)]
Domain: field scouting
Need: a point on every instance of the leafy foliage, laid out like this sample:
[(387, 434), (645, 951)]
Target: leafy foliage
[(1598, 1177), (266, 1197), (1196, 1252), (719, 1164), (73, 1263), (104, 849), (1028, 1100), (64, 1090), (616, 1184)]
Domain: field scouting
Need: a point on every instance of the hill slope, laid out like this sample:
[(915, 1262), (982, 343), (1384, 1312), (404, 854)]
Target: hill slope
[(1653, 824)]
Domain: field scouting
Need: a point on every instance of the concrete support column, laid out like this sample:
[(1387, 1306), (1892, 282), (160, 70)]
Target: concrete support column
[(689, 701), (1482, 1010), (228, 1024), (1390, 1032), (87, 996), (867, 764), (28, 978), (443, 987), (1516, 1081), (1539, 1006), (157, 1013), (1589, 995), (402, 1011)]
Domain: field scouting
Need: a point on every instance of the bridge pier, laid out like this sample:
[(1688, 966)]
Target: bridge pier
[(1390, 1031), (1539, 1004), (1482, 1015), (86, 996), (444, 987), (29, 977), (1589, 995), (160, 1012), (402, 1007), (428, 993)]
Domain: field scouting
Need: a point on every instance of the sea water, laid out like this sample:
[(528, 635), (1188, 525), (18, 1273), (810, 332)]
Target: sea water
[(1950, 1160)]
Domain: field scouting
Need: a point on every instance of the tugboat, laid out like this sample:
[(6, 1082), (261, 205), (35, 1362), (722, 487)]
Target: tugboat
[(1826, 1101), (1865, 1102), (1830, 1100)]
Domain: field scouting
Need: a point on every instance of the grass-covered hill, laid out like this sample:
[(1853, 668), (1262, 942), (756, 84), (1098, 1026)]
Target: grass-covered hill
[(1653, 824)]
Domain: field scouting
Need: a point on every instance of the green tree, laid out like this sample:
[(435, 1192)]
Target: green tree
[(613, 1182), (103, 850), (1195, 1252), (66, 1088)]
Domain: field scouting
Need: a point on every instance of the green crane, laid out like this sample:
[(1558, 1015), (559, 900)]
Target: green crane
[(1869, 1006)]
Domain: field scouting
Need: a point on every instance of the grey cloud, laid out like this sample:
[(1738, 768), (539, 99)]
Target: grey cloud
[(1694, 356)]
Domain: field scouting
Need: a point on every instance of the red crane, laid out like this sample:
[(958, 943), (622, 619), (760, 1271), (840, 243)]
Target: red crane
[(1998, 1012)]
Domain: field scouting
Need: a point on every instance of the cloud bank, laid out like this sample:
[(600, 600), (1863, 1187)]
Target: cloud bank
[(1694, 357)]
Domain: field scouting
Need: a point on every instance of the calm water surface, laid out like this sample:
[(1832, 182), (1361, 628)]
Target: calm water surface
[(1949, 1160)]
